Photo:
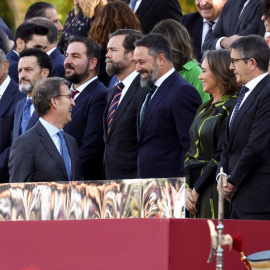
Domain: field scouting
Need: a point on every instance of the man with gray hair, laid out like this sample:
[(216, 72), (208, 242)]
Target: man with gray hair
[(246, 152), (9, 96), (167, 111), (45, 153)]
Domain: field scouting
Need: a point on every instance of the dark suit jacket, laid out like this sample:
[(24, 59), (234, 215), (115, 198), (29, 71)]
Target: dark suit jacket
[(5, 36), (230, 24), (194, 24), (7, 107), (35, 158), (164, 133), (58, 60), (86, 127), (121, 149), (18, 119), (150, 12), (13, 59), (246, 152)]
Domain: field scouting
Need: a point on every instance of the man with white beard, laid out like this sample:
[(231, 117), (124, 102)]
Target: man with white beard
[(34, 65)]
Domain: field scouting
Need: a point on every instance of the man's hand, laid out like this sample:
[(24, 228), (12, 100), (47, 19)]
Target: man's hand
[(228, 189), (226, 42)]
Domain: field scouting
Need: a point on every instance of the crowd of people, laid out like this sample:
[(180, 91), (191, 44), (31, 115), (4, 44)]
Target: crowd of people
[(134, 89)]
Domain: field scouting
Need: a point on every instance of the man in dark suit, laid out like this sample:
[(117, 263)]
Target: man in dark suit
[(150, 12), (82, 66), (198, 23), (28, 35), (167, 111), (57, 58), (44, 153), (9, 96), (34, 65), (120, 134), (238, 18), (246, 153)]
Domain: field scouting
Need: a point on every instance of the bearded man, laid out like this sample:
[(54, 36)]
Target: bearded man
[(81, 69), (166, 113)]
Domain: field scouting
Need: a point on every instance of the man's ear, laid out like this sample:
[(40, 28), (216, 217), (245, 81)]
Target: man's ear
[(45, 73), (93, 64), (20, 45), (161, 59), (6, 66)]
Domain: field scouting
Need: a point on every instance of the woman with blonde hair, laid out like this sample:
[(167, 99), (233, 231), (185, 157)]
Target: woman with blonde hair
[(79, 20), (207, 134)]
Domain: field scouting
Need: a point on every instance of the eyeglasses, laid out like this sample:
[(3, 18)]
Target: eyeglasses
[(68, 96), (235, 60)]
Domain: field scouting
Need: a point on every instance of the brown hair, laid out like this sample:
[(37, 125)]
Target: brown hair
[(178, 36), (266, 9), (91, 7), (219, 62), (111, 17)]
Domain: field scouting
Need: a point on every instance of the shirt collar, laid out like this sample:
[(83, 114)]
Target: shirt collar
[(4, 85), (52, 130), (81, 87), (51, 50), (252, 84), (159, 81), (130, 78)]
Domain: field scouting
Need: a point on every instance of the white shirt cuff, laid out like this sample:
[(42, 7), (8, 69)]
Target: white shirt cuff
[(218, 46)]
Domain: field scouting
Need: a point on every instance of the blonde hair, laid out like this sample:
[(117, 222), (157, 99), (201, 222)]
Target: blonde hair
[(91, 7)]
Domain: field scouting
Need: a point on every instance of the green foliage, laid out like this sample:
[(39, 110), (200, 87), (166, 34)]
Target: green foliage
[(188, 6), (6, 15)]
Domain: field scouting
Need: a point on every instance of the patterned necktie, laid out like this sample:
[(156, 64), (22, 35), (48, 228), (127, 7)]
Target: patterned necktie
[(26, 115), (111, 112), (209, 31), (64, 153), (73, 93), (147, 100), (133, 4), (237, 106)]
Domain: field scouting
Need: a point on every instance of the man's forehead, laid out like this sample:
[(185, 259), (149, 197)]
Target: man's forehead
[(27, 60), (76, 47)]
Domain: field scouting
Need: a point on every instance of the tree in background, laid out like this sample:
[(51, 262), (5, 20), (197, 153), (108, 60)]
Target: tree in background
[(13, 11)]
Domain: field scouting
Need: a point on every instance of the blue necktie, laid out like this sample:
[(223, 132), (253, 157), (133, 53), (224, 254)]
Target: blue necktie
[(133, 4), (64, 153), (210, 28), (26, 115), (150, 92), (111, 112), (238, 103)]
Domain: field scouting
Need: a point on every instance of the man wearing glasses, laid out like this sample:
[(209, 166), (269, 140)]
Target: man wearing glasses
[(246, 154), (45, 153)]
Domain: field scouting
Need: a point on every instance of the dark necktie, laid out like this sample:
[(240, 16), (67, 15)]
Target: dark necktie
[(74, 92), (209, 31), (64, 153), (238, 103), (26, 115), (111, 112), (147, 100)]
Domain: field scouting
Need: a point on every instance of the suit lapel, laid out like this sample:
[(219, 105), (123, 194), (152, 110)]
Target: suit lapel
[(160, 93), (245, 106), (83, 95), (32, 120), (243, 14), (50, 147), (143, 7), (6, 99), (124, 102)]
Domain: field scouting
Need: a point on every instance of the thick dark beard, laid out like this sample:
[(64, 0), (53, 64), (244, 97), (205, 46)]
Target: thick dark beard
[(76, 78), (152, 77), (116, 68)]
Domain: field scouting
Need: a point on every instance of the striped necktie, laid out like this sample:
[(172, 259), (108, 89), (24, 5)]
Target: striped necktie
[(210, 28), (237, 106), (111, 112), (64, 153), (26, 115)]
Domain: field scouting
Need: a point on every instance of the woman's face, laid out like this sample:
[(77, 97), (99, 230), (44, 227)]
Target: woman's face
[(266, 23), (209, 83)]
